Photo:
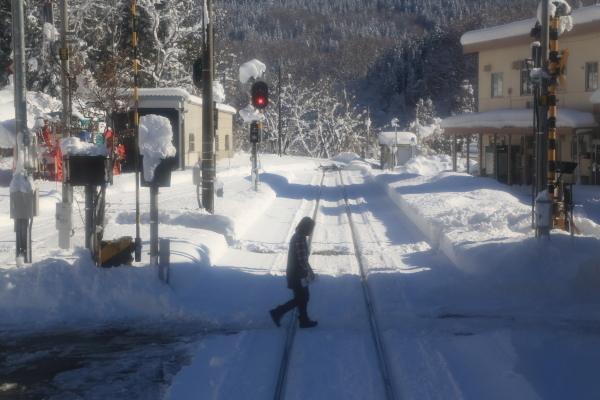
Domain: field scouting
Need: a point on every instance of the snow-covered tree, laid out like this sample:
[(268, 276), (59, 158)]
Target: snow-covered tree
[(464, 101), (425, 112)]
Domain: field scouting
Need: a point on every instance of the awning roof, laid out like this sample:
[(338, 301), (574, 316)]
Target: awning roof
[(580, 16), (517, 121), (518, 32), (145, 93)]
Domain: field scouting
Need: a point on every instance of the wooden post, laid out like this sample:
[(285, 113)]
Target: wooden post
[(454, 153)]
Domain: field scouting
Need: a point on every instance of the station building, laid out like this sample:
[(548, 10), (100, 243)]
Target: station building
[(504, 122)]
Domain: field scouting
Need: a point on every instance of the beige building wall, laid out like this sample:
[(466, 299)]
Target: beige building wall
[(582, 49), (193, 134)]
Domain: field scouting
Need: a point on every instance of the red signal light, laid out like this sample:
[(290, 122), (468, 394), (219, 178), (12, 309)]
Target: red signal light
[(260, 95)]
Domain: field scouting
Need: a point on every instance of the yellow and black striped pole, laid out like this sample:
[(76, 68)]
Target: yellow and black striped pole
[(134, 41)]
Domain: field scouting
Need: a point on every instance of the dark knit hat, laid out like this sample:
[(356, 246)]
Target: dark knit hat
[(305, 226)]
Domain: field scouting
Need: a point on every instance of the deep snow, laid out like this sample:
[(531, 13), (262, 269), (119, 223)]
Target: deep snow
[(470, 304)]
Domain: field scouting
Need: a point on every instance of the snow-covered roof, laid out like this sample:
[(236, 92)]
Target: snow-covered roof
[(595, 99), (178, 92), (404, 138), (518, 118), (580, 16)]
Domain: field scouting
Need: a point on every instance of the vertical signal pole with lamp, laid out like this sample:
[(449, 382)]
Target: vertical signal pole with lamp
[(554, 206), (556, 64), (260, 99)]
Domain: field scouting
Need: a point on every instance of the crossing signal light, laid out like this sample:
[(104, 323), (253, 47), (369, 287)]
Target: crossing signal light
[(197, 73), (260, 95)]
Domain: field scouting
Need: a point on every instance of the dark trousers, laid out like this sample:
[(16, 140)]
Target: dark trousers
[(300, 300)]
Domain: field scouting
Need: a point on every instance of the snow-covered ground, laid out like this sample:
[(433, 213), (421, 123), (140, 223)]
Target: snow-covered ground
[(470, 304)]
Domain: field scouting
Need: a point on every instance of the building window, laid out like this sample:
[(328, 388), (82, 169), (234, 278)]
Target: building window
[(526, 66), (192, 146), (216, 142), (591, 76), (497, 84), (226, 142)]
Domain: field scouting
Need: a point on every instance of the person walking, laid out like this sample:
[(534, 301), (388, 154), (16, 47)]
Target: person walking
[(297, 273)]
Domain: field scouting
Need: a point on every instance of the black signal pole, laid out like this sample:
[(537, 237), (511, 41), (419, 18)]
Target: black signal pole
[(208, 123)]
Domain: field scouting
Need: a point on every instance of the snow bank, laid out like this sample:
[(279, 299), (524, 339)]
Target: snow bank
[(74, 146), (353, 163), (39, 105), (8, 136), (346, 158), (517, 118), (486, 231), (156, 136), (595, 98), (54, 290), (426, 165)]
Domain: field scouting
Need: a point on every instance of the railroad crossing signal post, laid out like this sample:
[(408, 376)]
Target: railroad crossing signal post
[(542, 227), (552, 65)]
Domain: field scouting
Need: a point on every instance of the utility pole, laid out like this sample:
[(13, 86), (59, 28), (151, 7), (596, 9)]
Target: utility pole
[(136, 128), (279, 111), (64, 235), (22, 207), (208, 167)]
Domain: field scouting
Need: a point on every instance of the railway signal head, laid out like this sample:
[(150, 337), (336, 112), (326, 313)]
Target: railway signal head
[(260, 95), (255, 132), (197, 73)]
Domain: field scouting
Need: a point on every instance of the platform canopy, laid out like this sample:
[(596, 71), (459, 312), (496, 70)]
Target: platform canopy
[(517, 122)]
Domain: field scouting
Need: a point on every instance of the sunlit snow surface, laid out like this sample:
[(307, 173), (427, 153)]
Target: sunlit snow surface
[(469, 303)]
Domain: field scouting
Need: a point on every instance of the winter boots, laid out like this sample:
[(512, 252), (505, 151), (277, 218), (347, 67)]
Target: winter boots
[(276, 316), (304, 321), (307, 322)]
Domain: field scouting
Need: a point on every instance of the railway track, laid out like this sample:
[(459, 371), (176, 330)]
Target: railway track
[(378, 344)]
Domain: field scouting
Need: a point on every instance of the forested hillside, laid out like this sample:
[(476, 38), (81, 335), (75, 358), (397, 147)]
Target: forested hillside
[(338, 57)]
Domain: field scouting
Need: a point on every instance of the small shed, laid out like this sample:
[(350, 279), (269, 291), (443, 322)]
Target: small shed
[(397, 148), (184, 111)]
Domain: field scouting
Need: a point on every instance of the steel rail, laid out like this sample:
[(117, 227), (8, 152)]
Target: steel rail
[(381, 358), (293, 326)]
